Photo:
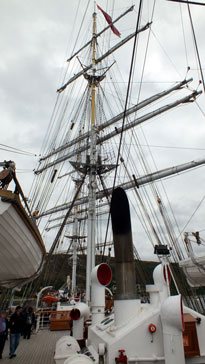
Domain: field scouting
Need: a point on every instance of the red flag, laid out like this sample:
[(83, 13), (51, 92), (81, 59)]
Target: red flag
[(109, 20)]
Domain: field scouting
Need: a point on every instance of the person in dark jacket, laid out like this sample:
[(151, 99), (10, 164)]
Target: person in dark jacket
[(29, 321), (16, 326), (3, 331)]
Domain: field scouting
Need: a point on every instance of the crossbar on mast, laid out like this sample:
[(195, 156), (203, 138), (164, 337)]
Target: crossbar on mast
[(129, 111), (82, 218), (125, 40), (102, 31), (128, 126), (136, 182)]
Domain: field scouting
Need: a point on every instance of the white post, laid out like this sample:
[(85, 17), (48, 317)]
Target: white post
[(38, 323), (73, 287)]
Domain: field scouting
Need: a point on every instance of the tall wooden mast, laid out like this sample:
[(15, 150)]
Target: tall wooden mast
[(92, 170)]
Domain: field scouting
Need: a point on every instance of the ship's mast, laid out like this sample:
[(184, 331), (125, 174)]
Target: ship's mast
[(92, 170), (73, 286)]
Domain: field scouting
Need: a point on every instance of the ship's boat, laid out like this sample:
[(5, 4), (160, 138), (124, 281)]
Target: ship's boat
[(22, 248), (194, 270), (194, 265)]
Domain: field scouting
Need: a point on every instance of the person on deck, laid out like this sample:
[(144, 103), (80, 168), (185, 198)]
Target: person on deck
[(16, 326), (29, 321), (3, 331)]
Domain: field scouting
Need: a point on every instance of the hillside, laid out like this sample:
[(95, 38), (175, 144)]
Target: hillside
[(60, 266)]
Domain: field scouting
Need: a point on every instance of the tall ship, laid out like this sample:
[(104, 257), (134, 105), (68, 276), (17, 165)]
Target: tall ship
[(97, 151), (96, 139)]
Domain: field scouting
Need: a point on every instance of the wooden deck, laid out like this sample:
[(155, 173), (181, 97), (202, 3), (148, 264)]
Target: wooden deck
[(39, 349)]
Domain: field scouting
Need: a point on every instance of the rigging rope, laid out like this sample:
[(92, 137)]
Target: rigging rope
[(184, 36), (125, 108), (129, 84), (196, 46), (17, 151), (192, 214), (66, 217)]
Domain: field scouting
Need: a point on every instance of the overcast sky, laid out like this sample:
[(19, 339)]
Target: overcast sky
[(35, 40)]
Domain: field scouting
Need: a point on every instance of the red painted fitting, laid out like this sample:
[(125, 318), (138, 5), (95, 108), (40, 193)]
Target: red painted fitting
[(152, 328), (122, 359)]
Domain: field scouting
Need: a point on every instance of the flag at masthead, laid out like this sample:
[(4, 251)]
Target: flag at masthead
[(109, 20)]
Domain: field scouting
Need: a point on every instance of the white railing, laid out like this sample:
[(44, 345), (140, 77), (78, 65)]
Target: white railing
[(43, 320)]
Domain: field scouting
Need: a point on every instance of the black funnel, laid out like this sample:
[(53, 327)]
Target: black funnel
[(122, 236)]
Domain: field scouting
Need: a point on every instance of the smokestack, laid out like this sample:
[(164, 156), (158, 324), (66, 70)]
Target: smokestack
[(122, 236)]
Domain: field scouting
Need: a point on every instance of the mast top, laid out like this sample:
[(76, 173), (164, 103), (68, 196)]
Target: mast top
[(95, 6)]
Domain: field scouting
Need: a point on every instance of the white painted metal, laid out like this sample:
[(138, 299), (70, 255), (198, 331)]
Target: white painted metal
[(125, 311), (78, 328), (83, 309), (129, 328), (133, 335), (159, 280), (78, 325), (172, 324), (91, 233), (74, 266), (79, 359), (66, 347), (40, 293), (97, 298)]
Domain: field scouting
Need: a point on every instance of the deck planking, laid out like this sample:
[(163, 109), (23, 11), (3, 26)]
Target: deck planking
[(39, 349)]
